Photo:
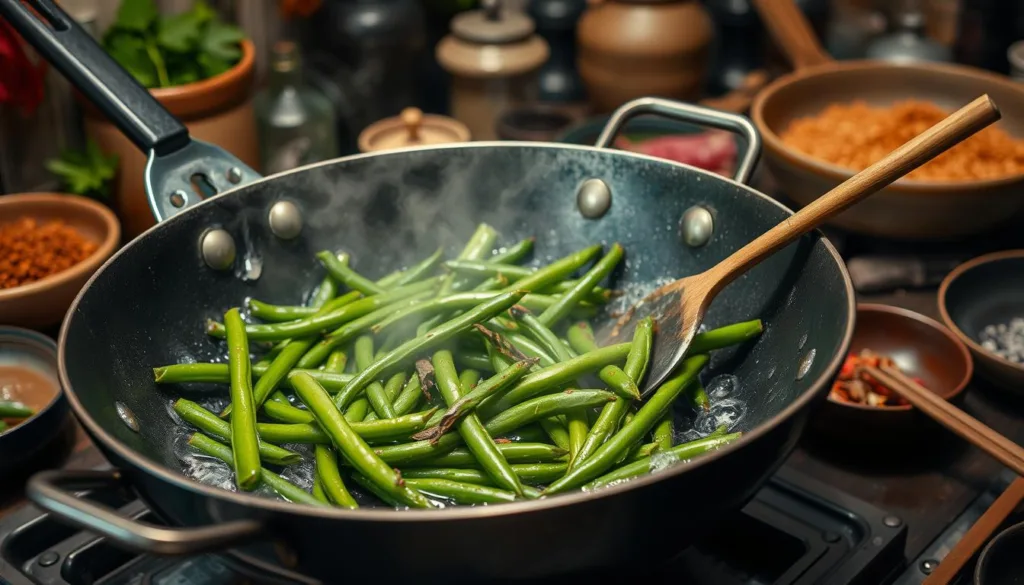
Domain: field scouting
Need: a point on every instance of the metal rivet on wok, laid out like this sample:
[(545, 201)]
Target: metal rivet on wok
[(285, 220), (234, 175), (218, 249), (178, 198), (594, 198), (697, 226)]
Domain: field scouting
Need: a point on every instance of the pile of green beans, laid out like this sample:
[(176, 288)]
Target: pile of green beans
[(472, 380)]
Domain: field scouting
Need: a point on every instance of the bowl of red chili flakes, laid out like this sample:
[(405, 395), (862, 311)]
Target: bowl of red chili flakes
[(50, 244)]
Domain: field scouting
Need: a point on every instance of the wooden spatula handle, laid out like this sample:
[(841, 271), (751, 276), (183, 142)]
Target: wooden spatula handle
[(956, 127)]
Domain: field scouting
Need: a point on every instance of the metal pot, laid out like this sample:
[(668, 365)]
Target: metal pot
[(146, 305)]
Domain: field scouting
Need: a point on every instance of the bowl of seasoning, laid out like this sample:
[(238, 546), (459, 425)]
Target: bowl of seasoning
[(33, 410), (922, 348), (50, 244), (982, 302)]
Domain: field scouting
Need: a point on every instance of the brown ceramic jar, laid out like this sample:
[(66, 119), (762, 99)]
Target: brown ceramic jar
[(636, 48), (493, 56), (217, 110)]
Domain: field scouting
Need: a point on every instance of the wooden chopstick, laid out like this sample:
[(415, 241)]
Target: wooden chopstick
[(971, 429)]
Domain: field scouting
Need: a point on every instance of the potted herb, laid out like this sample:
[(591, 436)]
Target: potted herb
[(198, 67)]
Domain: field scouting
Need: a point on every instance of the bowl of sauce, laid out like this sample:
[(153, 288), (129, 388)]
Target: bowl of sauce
[(33, 410)]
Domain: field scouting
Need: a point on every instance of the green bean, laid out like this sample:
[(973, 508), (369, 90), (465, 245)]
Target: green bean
[(268, 357), (531, 348), (379, 430), (285, 412), (461, 457), (342, 273), (514, 253), (13, 409), (545, 406), (469, 401), (330, 478), (474, 361), (281, 313), (405, 453), (282, 486), (408, 397), (677, 453), (581, 337), (556, 271), (218, 374), (648, 415), (725, 336), (545, 336), (578, 428), (358, 410), (245, 445), (327, 290), (528, 434), (375, 489), (353, 328), (470, 428), (506, 273), (276, 371), (3, 426), (462, 493), (374, 390), (699, 397), (318, 489), (210, 424), (533, 473), (456, 302), (552, 377), (640, 451), (329, 320), (356, 451), (336, 362), (393, 386), (557, 432), (573, 296), (663, 431), (480, 244), (432, 338), (419, 270)]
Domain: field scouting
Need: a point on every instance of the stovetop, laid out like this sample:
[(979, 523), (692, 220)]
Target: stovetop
[(796, 531)]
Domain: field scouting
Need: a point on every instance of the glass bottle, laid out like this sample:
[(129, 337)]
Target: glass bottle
[(296, 123)]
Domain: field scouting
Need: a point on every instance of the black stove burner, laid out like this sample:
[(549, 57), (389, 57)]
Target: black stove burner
[(796, 531)]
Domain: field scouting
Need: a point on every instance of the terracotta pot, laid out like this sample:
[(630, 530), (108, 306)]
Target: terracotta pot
[(218, 110), (631, 49)]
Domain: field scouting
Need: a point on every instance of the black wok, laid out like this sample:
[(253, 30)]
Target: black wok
[(146, 306)]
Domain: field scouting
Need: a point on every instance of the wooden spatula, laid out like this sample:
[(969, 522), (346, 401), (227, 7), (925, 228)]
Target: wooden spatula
[(678, 307)]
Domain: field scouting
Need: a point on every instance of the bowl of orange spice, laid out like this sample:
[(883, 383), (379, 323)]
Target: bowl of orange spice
[(50, 244)]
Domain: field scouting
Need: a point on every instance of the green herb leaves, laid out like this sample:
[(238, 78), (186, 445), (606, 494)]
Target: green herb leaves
[(85, 173), (166, 51)]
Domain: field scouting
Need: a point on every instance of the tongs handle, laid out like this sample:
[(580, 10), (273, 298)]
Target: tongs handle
[(65, 44)]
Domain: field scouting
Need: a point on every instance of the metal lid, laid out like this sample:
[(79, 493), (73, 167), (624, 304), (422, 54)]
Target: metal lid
[(411, 128), (492, 24)]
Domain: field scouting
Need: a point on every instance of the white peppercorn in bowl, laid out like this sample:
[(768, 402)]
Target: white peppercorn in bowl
[(982, 303)]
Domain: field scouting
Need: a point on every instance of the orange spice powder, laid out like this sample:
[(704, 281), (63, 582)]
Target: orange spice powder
[(30, 250)]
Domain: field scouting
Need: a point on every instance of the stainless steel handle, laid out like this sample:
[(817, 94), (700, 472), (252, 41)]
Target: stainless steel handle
[(54, 491), (695, 115)]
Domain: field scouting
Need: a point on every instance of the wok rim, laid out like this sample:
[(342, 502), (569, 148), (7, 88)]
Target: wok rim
[(276, 506), (776, 148)]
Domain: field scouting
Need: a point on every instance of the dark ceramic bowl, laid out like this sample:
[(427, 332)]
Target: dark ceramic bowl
[(1001, 562), (21, 442), (921, 348), (985, 291)]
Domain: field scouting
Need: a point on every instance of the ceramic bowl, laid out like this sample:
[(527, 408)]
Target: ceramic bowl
[(988, 290), (20, 443), (922, 348), (42, 304)]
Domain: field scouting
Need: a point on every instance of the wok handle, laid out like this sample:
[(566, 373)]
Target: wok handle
[(54, 491), (117, 94), (179, 171), (695, 115)]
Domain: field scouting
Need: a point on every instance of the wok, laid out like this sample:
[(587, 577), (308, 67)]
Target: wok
[(906, 209), (146, 306)]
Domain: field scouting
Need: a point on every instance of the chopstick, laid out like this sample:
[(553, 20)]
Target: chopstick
[(971, 429)]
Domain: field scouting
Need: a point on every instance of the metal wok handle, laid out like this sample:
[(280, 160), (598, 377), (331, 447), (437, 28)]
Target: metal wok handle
[(694, 115), (54, 490), (174, 159)]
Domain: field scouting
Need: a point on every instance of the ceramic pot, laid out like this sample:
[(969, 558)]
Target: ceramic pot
[(217, 110), (635, 48)]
